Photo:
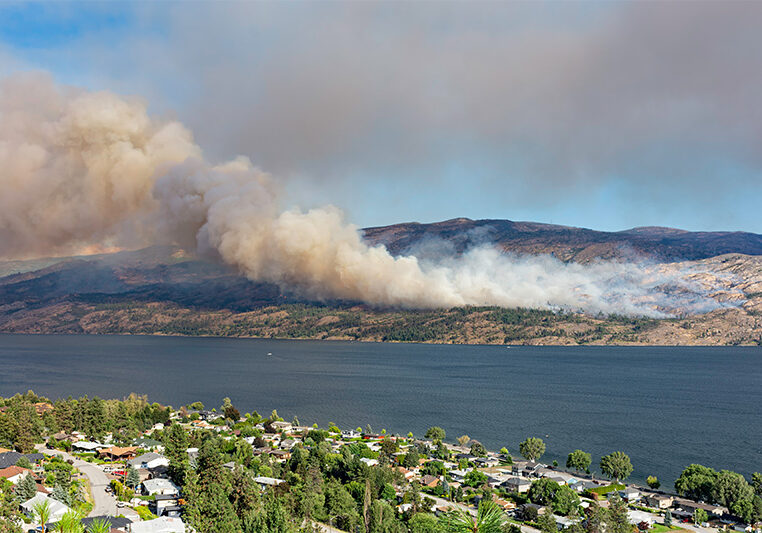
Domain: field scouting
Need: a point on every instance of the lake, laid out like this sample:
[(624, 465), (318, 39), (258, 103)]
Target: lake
[(666, 407)]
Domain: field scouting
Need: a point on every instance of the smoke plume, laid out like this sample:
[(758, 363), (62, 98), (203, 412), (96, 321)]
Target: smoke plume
[(83, 169)]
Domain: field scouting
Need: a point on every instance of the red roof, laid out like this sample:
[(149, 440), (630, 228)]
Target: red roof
[(12, 471)]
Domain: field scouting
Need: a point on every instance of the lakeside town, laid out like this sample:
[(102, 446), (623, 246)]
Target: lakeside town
[(130, 466)]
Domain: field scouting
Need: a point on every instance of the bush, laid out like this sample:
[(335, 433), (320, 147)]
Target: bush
[(144, 513)]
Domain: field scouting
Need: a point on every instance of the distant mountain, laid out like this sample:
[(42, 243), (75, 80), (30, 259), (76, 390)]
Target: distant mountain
[(163, 290), (565, 242)]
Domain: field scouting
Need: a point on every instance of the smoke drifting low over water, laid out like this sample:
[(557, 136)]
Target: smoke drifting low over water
[(84, 170)]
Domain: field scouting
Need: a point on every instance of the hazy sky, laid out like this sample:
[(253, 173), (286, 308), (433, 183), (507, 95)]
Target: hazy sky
[(606, 115)]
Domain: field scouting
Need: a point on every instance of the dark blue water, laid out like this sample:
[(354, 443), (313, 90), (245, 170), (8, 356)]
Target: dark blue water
[(665, 407)]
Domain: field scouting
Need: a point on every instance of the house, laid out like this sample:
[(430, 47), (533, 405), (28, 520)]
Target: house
[(160, 486), (35, 458), (636, 517), (14, 473), (630, 494), (9, 459), (407, 474), (369, 462), (458, 475), (430, 481), (42, 408), (558, 479), (163, 524), (562, 522), (149, 444), (516, 484), (87, 446), (117, 453), (690, 506), (659, 501), (582, 485), (486, 462), (529, 469), (117, 522), (281, 426), (265, 482), (57, 509), (148, 461), (350, 434), (167, 505), (505, 504)]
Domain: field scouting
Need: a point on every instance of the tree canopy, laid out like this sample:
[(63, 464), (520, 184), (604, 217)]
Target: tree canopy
[(616, 465), (532, 448), (578, 460)]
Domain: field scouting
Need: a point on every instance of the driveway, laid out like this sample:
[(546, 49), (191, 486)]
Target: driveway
[(104, 504)]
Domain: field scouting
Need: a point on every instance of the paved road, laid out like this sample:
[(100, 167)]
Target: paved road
[(103, 502)]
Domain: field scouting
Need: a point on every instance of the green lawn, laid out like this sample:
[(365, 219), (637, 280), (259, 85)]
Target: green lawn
[(600, 491)]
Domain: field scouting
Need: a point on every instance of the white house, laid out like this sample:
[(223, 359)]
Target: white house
[(148, 460), (57, 509), (14, 473), (264, 481), (164, 524), (87, 446), (630, 495), (160, 486), (281, 426), (636, 517)]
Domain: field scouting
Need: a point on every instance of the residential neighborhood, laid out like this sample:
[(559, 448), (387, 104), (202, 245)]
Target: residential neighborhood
[(157, 482)]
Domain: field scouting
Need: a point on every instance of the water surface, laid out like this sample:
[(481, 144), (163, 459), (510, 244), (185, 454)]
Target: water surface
[(666, 407)]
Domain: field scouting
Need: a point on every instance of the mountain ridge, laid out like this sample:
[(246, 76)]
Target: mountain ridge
[(163, 290), (568, 243)]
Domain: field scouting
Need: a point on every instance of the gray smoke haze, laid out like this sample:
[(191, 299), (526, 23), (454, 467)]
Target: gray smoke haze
[(85, 170), (618, 113), (537, 100)]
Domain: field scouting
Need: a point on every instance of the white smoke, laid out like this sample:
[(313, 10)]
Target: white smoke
[(91, 168)]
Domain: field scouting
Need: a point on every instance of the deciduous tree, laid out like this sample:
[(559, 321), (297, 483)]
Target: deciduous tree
[(547, 523), (616, 466), (532, 448), (436, 434), (696, 482), (578, 460)]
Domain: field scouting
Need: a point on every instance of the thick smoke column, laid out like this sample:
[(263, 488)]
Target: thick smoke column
[(82, 169), (77, 168)]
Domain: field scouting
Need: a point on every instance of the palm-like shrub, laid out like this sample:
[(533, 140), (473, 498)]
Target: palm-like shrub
[(99, 525), (489, 519)]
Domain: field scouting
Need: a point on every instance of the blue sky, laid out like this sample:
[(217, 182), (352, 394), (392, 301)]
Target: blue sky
[(602, 115)]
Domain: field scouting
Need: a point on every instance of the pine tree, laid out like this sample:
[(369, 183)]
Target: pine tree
[(133, 478), (27, 488), (62, 495), (176, 450), (618, 521)]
